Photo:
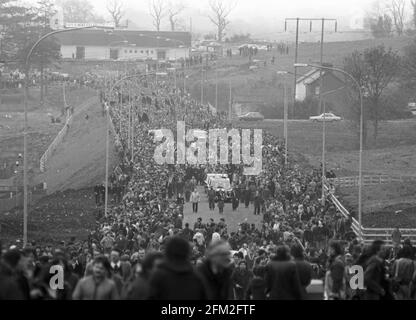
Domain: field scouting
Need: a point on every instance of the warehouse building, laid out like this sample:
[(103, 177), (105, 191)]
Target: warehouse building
[(93, 44)]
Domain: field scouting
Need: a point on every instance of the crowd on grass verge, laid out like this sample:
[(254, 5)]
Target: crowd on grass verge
[(142, 249)]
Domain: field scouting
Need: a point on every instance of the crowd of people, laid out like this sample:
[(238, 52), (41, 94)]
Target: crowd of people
[(143, 249)]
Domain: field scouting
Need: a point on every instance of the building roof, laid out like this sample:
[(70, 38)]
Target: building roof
[(138, 38), (314, 75)]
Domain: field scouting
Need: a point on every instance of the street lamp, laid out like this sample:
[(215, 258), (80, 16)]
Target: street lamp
[(26, 88), (285, 122), (216, 85), (202, 85), (360, 169)]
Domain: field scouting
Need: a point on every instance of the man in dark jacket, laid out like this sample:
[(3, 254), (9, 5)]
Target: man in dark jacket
[(303, 267), (14, 269), (216, 272), (9, 285), (211, 199), (282, 278), (139, 289), (175, 278), (374, 273), (187, 233)]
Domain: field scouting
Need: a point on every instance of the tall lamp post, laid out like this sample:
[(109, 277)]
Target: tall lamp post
[(360, 166), (285, 122), (26, 88)]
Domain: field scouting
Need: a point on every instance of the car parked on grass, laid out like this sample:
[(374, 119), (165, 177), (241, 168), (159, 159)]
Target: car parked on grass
[(327, 117)]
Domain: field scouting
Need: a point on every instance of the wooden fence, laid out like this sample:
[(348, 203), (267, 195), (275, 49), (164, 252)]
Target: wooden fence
[(350, 182)]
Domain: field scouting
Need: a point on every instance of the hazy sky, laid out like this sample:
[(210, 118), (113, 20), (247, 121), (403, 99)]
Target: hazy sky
[(267, 8), (255, 16)]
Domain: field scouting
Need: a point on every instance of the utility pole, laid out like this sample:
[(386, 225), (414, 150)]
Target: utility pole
[(216, 85), (285, 119), (133, 117), (202, 84), (298, 20), (321, 82), (230, 110)]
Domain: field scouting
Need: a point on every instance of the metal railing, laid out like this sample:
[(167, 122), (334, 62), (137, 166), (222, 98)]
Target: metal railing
[(350, 182), (367, 235)]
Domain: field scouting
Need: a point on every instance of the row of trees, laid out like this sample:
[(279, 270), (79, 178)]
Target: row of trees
[(160, 10), (391, 17)]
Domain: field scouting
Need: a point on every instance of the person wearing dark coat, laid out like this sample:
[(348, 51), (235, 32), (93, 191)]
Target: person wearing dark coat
[(187, 233), (9, 286), (139, 289), (235, 201), (11, 265), (241, 278), (303, 267), (282, 278), (257, 203), (175, 278), (247, 194), (374, 273), (257, 287), (216, 272)]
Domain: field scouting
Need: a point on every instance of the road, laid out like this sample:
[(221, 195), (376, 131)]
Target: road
[(232, 218)]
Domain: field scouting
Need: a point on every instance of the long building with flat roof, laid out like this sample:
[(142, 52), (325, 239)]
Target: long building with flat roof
[(92, 44)]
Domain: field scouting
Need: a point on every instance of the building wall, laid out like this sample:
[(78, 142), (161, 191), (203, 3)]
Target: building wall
[(97, 53), (125, 53), (133, 53), (68, 52), (91, 52), (300, 92)]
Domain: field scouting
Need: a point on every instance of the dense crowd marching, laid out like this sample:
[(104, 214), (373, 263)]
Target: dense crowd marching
[(142, 249)]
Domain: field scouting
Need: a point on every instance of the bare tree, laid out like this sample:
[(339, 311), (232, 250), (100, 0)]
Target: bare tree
[(397, 11), (375, 69), (219, 15), (173, 11), (77, 10), (116, 9), (413, 3), (158, 11)]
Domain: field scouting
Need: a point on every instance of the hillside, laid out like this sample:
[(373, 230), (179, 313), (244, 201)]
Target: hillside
[(79, 162), (261, 84)]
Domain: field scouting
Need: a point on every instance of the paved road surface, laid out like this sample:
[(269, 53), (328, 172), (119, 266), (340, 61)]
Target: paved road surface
[(232, 218)]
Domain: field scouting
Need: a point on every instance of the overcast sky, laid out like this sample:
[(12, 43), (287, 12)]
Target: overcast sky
[(254, 16), (269, 9)]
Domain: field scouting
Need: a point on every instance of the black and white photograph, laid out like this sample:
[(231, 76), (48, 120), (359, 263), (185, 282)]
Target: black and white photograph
[(214, 153)]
